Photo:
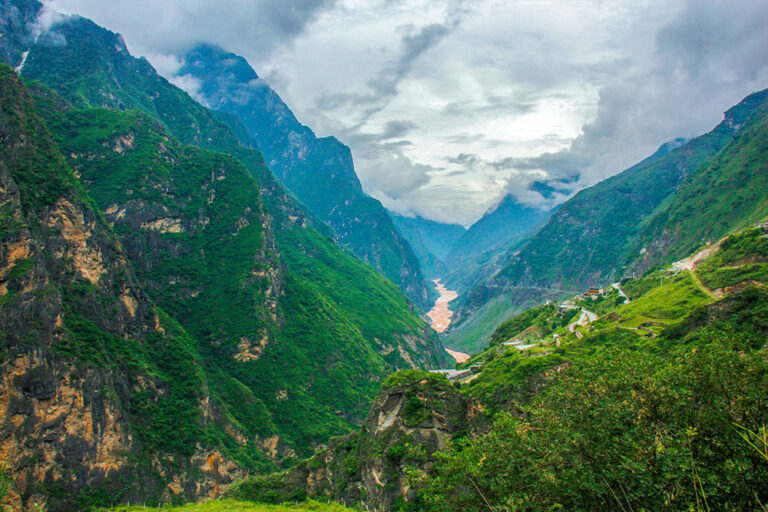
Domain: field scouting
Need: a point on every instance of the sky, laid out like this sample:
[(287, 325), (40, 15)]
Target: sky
[(450, 105)]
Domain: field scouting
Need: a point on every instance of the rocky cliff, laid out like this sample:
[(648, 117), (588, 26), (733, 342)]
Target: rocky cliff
[(89, 362), (415, 414)]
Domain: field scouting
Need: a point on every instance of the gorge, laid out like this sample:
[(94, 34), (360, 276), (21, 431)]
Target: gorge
[(204, 306)]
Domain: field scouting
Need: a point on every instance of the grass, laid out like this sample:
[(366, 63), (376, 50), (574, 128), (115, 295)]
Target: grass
[(474, 334), (668, 302), (238, 506)]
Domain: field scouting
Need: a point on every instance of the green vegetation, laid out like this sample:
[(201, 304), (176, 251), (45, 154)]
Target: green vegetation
[(409, 378), (473, 334), (625, 429), (742, 258), (288, 326), (268, 332), (238, 506), (534, 323), (655, 212), (624, 418), (726, 194), (319, 171), (102, 334)]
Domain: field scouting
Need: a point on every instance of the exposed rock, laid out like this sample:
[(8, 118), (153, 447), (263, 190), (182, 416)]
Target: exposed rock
[(76, 372), (415, 414), (164, 225)]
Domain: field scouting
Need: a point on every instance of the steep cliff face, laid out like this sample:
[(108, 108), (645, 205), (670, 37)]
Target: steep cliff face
[(415, 414), (319, 171), (198, 235), (89, 363), (91, 67)]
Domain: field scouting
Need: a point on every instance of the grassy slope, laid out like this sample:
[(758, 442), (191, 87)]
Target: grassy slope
[(238, 506), (661, 302), (650, 417)]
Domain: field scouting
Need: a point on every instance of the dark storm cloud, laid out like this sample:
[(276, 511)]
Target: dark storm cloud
[(414, 45), (490, 106), (384, 86), (466, 160), (708, 33)]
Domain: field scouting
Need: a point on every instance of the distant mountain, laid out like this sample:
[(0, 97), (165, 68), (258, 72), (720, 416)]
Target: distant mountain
[(181, 317), (500, 227), (318, 170), (486, 245), (430, 240), (675, 200)]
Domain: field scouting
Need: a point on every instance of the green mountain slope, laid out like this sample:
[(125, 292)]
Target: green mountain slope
[(319, 170), (288, 335), (106, 399), (642, 400), (653, 405), (618, 226), (95, 70), (304, 327), (728, 193)]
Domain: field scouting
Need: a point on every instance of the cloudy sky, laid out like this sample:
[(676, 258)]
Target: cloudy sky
[(449, 105)]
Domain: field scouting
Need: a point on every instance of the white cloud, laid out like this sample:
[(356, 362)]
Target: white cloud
[(531, 88)]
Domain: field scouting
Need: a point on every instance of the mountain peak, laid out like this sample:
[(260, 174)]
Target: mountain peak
[(216, 59)]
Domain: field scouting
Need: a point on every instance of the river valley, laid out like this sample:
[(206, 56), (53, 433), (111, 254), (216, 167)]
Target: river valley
[(440, 316)]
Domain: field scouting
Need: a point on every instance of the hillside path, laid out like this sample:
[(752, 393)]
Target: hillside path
[(701, 286), (617, 287), (586, 317)]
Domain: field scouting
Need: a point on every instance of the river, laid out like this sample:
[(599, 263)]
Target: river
[(440, 315)]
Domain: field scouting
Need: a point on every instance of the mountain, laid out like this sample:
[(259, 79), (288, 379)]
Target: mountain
[(430, 240), (318, 170), (496, 231), (622, 225), (730, 192), (104, 392), (213, 326), (488, 244), (561, 412)]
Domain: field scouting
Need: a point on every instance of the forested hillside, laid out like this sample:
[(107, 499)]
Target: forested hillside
[(634, 220), (653, 401), (318, 170), (278, 338)]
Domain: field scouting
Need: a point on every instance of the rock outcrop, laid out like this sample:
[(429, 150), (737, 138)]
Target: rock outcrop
[(415, 414), (87, 358)]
